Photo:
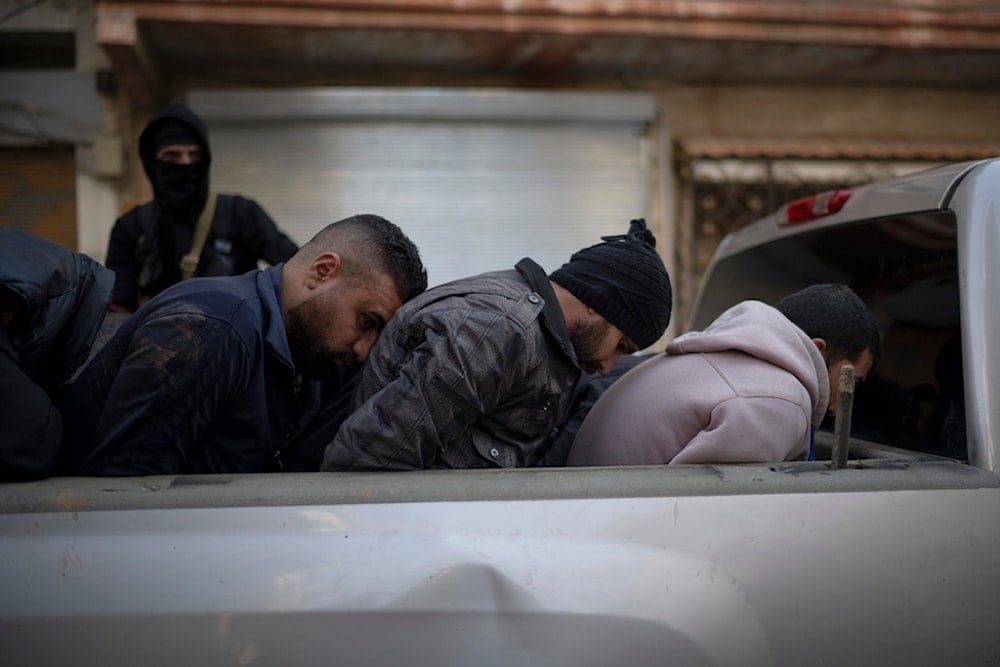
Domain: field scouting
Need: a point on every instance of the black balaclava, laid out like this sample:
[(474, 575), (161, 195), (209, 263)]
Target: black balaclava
[(181, 190)]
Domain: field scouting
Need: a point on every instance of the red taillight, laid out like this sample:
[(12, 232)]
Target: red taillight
[(812, 207)]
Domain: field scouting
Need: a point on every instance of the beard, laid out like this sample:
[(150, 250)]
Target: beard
[(312, 358), (587, 340)]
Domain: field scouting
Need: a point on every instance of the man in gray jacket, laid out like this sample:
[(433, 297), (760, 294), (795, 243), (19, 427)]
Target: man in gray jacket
[(478, 373)]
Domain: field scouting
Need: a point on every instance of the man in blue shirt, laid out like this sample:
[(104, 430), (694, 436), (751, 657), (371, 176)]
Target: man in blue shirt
[(242, 374)]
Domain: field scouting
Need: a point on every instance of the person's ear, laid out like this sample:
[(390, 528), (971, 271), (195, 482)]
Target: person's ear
[(325, 267), (820, 344)]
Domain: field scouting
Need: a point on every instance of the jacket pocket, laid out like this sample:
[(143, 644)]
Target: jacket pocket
[(492, 454)]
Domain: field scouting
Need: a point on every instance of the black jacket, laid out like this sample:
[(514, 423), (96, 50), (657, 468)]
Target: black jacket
[(146, 247), (61, 298)]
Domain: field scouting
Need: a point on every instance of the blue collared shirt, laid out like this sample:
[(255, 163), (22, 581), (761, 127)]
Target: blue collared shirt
[(200, 380)]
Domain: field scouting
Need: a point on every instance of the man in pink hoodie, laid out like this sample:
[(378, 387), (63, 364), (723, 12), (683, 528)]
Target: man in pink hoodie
[(753, 386)]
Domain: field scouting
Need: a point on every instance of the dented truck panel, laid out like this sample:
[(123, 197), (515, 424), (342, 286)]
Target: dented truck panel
[(753, 574)]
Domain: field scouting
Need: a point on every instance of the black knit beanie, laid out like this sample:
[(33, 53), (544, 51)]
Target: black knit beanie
[(625, 281)]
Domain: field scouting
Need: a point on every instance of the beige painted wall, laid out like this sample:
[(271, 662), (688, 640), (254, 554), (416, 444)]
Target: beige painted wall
[(835, 114)]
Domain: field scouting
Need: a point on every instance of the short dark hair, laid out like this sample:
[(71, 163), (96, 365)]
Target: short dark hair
[(368, 242), (836, 314)]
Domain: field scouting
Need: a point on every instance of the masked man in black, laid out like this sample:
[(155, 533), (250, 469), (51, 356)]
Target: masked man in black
[(186, 230)]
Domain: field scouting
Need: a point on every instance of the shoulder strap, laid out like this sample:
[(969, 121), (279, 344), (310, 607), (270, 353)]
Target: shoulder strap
[(189, 262)]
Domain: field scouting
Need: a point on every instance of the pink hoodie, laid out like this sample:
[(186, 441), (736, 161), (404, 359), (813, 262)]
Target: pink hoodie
[(748, 388)]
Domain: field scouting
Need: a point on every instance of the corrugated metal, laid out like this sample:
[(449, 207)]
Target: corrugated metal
[(474, 195), (368, 103)]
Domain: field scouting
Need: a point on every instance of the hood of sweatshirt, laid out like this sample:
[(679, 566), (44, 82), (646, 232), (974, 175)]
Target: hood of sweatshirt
[(759, 330)]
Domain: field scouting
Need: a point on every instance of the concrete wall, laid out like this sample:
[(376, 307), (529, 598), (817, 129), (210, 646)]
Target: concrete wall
[(836, 114)]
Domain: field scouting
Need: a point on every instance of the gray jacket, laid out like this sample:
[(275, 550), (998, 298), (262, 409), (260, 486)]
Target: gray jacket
[(476, 373)]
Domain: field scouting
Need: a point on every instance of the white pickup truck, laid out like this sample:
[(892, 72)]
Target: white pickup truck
[(893, 559)]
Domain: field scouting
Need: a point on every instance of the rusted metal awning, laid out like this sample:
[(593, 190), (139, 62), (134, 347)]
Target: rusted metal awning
[(156, 47)]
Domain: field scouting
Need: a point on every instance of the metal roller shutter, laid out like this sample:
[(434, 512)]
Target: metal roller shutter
[(475, 192)]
